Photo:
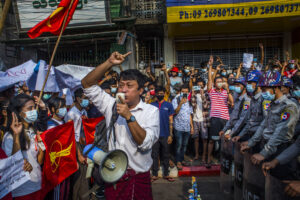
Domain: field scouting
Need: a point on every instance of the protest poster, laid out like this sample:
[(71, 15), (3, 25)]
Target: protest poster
[(247, 60)]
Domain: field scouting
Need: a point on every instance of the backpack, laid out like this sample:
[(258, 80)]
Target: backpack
[(101, 139)]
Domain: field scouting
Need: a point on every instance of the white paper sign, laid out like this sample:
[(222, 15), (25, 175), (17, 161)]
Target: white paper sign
[(12, 174), (32, 12), (247, 60)]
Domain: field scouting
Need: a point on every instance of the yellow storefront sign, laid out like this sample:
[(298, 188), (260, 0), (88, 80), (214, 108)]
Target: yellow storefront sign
[(220, 12)]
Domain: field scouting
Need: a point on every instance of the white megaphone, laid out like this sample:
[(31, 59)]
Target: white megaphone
[(112, 165)]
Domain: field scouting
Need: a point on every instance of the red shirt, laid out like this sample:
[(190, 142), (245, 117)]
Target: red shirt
[(219, 105)]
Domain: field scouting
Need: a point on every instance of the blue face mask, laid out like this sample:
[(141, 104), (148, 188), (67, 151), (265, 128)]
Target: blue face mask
[(268, 96), (31, 116), (47, 96), (296, 93), (179, 74), (186, 71), (249, 88), (232, 87), (292, 66), (204, 70), (238, 90), (223, 73), (234, 74), (255, 65), (84, 103), (62, 112), (113, 90), (146, 89)]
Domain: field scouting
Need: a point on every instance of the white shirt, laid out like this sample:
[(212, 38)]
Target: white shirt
[(198, 116), (35, 182), (75, 115), (147, 116)]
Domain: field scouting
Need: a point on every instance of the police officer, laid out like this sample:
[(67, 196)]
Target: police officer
[(277, 130), (257, 110), (240, 89), (287, 85)]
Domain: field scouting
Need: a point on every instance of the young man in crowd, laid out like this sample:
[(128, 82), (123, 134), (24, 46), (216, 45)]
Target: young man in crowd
[(175, 79), (161, 147), (219, 114), (136, 128), (183, 123)]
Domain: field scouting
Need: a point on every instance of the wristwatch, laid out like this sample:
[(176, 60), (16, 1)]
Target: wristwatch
[(131, 119)]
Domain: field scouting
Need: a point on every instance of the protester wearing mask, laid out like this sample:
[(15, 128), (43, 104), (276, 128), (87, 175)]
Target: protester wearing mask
[(58, 109), (204, 71), (186, 74), (24, 135), (219, 114), (183, 123), (47, 96), (291, 68), (259, 65), (161, 147), (277, 129), (175, 79), (200, 105)]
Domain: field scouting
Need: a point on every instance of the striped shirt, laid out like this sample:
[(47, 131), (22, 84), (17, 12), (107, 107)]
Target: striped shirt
[(219, 105)]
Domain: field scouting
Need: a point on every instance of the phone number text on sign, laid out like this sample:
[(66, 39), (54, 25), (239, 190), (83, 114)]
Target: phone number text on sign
[(232, 11)]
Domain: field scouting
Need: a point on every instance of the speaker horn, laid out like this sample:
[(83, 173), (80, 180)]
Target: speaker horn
[(112, 165)]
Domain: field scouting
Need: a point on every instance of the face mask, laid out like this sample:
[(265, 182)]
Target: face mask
[(84, 103), (296, 93), (186, 71), (47, 96), (31, 116), (255, 65), (62, 112), (113, 90), (219, 85), (292, 66), (152, 92), (223, 73), (234, 74), (268, 96), (275, 70), (204, 70), (232, 87), (250, 88), (238, 90), (179, 74), (146, 89), (160, 97)]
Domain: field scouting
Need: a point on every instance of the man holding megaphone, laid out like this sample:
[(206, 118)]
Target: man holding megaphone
[(135, 130)]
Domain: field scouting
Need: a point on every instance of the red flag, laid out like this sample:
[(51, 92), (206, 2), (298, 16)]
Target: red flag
[(89, 127), (60, 156), (53, 23)]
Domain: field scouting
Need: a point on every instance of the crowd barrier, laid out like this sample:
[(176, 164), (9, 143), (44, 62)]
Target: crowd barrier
[(238, 172)]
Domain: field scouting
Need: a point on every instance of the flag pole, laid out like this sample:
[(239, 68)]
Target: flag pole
[(54, 52)]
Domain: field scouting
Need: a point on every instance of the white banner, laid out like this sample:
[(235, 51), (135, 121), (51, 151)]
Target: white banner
[(78, 72), (16, 74), (32, 12), (12, 174), (247, 60)]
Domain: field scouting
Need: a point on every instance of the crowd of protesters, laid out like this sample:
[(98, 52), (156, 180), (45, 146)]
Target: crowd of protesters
[(171, 124)]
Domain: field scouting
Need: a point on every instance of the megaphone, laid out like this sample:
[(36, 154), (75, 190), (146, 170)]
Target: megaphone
[(112, 165)]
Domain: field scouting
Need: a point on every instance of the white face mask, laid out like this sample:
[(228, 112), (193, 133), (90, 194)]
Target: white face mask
[(31, 116), (220, 85)]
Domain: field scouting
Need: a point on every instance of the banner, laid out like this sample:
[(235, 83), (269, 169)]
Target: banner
[(89, 127), (30, 12), (12, 174), (16, 74), (247, 60), (76, 71), (220, 10), (60, 156)]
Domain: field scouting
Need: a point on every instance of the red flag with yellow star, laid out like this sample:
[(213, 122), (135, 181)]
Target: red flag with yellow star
[(60, 156), (53, 23)]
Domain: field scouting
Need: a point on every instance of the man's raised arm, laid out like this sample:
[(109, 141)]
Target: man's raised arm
[(92, 78)]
